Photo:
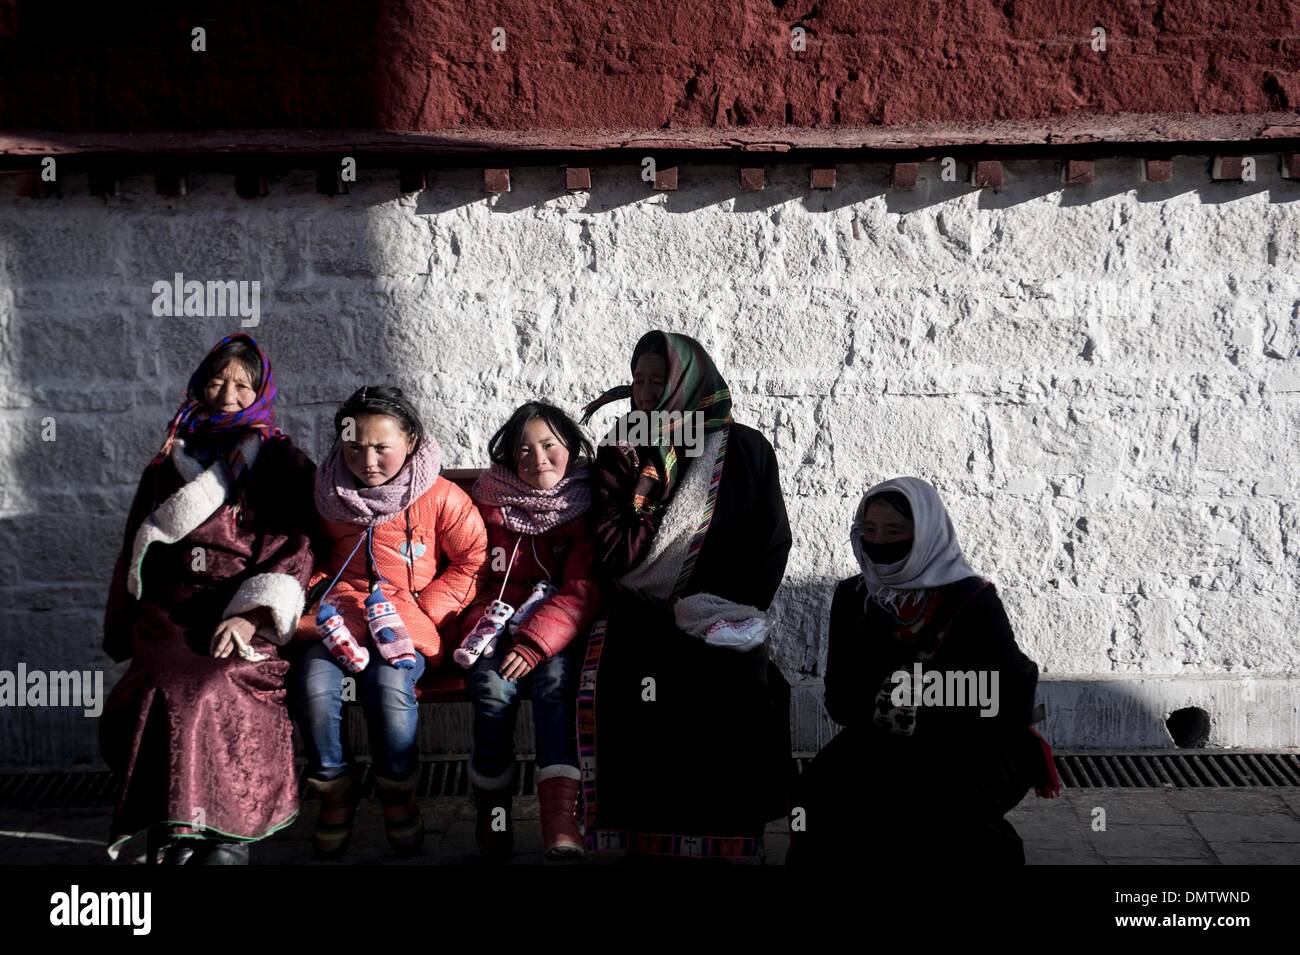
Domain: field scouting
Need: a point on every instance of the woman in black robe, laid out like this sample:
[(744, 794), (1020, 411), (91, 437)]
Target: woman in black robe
[(684, 728), (210, 582), (926, 769)]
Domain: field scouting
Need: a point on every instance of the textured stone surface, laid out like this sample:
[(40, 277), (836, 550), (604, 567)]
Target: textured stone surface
[(1102, 383), (1129, 709), (421, 65)]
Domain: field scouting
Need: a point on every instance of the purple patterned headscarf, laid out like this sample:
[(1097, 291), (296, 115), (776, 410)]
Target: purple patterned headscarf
[(194, 421)]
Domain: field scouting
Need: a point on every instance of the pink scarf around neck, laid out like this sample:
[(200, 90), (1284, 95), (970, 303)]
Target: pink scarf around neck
[(527, 510), (340, 498)]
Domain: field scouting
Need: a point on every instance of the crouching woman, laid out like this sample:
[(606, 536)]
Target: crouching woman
[(926, 768)]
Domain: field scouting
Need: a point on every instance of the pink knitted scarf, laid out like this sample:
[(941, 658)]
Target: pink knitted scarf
[(340, 498), (527, 510)]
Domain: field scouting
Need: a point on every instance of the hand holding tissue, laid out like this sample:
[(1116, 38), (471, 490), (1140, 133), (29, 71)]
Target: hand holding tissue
[(721, 623)]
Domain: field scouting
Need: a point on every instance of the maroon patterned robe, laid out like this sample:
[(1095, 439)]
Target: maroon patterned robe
[(194, 738)]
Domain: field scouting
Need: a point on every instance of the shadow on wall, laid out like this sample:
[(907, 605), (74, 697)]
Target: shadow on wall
[(297, 62), (1162, 712), (361, 288), (1081, 715), (91, 375)]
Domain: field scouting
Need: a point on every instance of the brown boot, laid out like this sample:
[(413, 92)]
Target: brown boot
[(338, 807), (402, 821), (558, 799)]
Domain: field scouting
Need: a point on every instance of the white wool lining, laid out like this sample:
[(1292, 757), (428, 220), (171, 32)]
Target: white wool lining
[(558, 771), (279, 593), (203, 492)]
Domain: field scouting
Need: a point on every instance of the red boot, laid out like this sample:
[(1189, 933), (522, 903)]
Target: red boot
[(557, 795)]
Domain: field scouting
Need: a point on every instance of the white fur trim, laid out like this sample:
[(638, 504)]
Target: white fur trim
[(657, 573), (558, 771), (493, 783), (203, 492), (175, 518), (279, 593)]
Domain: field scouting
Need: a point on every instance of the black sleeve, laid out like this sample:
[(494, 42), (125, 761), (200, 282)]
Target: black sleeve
[(771, 541), (843, 694), (992, 646), (622, 536)]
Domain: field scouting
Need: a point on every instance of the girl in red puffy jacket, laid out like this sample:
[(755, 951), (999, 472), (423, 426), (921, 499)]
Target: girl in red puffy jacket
[(534, 500)]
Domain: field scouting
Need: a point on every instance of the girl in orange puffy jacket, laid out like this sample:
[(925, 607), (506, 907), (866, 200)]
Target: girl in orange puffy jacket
[(387, 611), (534, 500)]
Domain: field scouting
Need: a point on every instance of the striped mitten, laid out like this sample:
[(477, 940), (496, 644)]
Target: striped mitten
[(388, 631), (334, 632)]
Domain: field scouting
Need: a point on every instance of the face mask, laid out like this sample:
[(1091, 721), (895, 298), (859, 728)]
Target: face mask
[(890, 553)]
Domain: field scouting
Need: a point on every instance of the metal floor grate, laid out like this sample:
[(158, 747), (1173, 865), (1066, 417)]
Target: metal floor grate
[(1182, 769), (448, 776)]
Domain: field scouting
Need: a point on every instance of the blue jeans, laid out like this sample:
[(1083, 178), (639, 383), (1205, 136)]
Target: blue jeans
[(553, 689), (387, 697)]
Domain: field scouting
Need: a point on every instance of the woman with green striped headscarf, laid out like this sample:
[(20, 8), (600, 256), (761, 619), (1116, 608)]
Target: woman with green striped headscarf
[(685, 749), (676, 391)]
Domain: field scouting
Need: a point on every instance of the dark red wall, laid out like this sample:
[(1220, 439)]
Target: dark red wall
[(426, 65)]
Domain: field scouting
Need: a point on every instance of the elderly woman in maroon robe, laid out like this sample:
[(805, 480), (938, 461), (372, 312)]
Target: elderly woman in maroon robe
[(210, 582)]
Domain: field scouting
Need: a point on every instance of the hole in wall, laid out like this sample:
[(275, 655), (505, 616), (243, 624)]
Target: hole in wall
[(1189, 727)]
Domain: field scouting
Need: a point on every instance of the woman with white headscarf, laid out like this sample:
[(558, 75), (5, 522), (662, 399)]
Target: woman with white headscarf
[(935, 697)]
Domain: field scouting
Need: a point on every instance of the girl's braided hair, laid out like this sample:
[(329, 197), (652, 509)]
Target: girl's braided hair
[(381, 399)]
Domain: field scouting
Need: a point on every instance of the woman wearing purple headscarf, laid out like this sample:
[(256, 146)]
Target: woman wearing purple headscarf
[(210, 582)]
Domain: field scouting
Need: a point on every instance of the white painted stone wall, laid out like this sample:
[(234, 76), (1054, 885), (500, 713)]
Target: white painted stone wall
[(1103, 384)]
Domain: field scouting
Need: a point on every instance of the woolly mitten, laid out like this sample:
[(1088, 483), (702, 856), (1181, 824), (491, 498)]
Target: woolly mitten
[(388, 632)]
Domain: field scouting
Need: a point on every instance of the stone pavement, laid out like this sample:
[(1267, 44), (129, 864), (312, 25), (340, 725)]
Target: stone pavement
[(1167, 827), (1162, 827)]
